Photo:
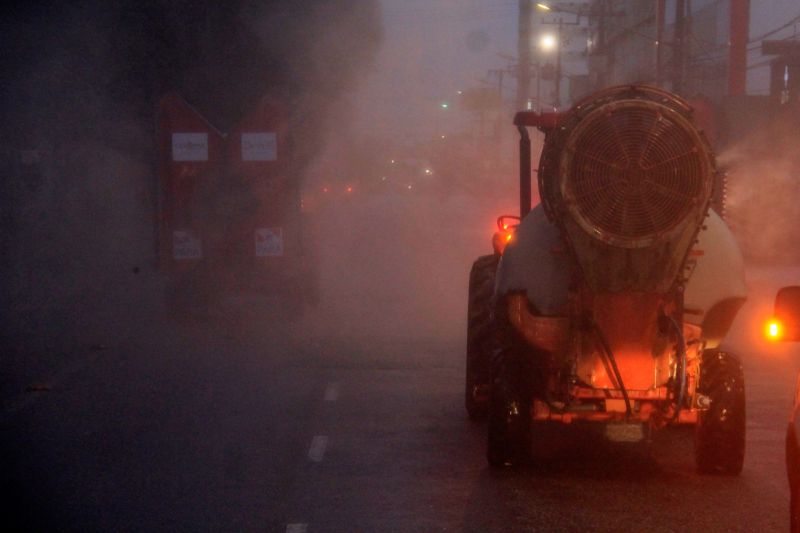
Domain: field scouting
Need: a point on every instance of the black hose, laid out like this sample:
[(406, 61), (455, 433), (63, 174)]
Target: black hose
[(613, 361), (682, 353)]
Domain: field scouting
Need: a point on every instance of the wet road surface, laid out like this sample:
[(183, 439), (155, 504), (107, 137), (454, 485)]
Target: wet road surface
[(233, 427)]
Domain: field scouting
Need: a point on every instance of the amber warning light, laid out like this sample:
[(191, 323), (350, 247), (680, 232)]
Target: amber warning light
[(773, 330)]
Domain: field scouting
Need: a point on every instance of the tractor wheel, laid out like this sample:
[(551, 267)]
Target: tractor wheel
[(793, 471), (480, 336), (509, 428), (720, 432)]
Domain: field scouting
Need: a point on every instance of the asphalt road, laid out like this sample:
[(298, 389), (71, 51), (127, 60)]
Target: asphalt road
[(352, 420), (239, 426)]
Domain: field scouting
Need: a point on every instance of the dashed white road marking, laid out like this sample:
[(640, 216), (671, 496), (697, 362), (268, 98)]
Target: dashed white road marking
[(317, 450), (331, 392)]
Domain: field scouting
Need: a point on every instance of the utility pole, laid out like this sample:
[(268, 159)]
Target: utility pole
[(524, 54), (737, 58), (559, 44), (661, 15), (498, 129), (679, 46), (500, 73), (538, 83), (599, 46)]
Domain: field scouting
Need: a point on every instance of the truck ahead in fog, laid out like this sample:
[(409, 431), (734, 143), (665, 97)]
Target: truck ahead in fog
[(229, 210)]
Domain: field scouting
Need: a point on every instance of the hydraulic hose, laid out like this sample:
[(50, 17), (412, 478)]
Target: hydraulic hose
[(682, 370), (615, 369)]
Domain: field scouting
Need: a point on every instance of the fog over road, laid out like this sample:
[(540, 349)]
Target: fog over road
[(118, 415), (351, 419)]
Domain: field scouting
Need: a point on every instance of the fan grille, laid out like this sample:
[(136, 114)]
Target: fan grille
[(633, 170)]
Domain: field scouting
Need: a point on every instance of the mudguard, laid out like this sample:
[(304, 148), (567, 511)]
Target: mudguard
[(537, 262), (716, 289)]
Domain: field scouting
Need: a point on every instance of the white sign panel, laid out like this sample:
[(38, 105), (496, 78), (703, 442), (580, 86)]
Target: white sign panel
[(269, 242), (261, 146), (190, 146), (186, 245)]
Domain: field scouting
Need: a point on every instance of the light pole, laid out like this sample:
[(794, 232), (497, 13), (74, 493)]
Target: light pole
[(557, 102), (559, 40), (523, 54), (547, 42)]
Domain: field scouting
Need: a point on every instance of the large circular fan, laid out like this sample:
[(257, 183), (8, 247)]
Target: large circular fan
[(633, 170)]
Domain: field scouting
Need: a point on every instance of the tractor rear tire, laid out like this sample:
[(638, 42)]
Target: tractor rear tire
[(793, 471), (720, 431), (480, 336), (509, 427)]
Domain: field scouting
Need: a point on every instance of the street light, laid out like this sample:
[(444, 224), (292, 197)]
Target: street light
[(556, 42), (548, 42), (560, 9)]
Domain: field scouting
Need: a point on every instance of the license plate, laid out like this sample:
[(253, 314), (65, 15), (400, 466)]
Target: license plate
[(624, 432)]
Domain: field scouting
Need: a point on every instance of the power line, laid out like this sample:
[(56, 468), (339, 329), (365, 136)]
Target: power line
[(769, 60), (776, 30), (755, 47), (464, 13), (759, 64)]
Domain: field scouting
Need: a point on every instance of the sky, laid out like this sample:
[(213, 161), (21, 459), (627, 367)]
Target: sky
[(426, 57), (764, 16)]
